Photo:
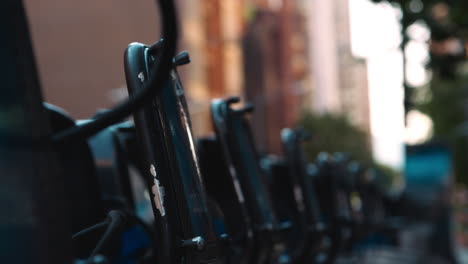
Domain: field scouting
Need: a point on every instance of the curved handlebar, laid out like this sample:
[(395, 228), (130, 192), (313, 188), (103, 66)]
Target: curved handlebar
[(158, 76)]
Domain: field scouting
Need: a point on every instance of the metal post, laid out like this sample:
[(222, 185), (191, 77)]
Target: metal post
[(33, 228)]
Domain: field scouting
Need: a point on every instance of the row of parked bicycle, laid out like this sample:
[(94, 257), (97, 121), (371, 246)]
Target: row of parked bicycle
[(210, 200)]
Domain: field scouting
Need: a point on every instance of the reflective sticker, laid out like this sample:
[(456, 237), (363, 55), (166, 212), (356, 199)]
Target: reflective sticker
[(299, 198), (153, 170), (141, 76), (236, 184), (158, 192)]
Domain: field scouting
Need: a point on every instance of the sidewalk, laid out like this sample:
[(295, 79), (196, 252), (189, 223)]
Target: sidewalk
[(413, 250), (462, 255)]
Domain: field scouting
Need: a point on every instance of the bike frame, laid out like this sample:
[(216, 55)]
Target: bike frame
[(184, 227)]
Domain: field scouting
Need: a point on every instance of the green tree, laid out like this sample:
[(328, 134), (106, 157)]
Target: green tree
[(448, 90), (334, 133), (446, 104), (448, 24)]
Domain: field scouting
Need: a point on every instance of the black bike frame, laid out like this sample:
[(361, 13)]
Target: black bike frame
[(334, 201), (233, 132), (304, 191), (224, 188), (184, 227)]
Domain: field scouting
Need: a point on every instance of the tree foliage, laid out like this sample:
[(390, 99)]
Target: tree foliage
[(446, 105), (334, 133), (448, 90), (446, 20)]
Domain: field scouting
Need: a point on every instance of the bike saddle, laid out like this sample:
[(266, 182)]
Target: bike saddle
[(86, 192), (112, 164), (120, 171), (81, 183)]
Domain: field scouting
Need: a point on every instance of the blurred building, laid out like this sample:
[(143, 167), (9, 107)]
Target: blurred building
[(254, 49), (340, 82), (298, 57), (212, 31), (284, 56), (275, 56)]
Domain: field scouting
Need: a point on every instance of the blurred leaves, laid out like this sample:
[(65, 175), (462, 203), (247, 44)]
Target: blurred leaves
[(448, 23), (447, 105), (448, 110), (334, 133), (386, 176)]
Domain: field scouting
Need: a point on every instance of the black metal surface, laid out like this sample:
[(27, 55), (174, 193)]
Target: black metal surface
[(81, 185), (289, 207), (297, 165), (114, 153), (308, 208), (233, 132), (224, 188), (334, 202), (34, 219), (179, 198)]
